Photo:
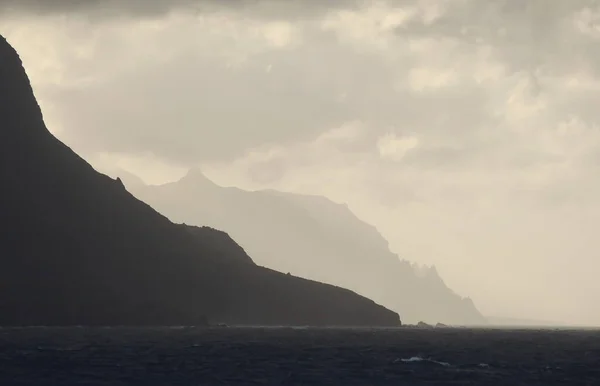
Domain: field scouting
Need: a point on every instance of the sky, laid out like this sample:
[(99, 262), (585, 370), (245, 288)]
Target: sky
[(466, 131)]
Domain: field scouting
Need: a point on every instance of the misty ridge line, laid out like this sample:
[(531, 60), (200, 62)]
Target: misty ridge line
[(312, 237), (317, 209), (101, 257), (476, 195)]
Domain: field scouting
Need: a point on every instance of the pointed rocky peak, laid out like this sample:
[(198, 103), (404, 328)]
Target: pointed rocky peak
[(433, 275), (433, 272), (19, 110), (196, 174), (428, 272), (9, 58), (130, 180), (195, 178)]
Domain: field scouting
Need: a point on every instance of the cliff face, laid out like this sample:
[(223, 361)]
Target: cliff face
[(313, 237), (77, 249)]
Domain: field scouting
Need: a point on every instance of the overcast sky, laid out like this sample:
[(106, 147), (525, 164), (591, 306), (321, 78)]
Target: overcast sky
[(465, 130)]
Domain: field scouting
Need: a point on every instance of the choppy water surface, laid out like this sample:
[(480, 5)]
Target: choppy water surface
[(285, 356)]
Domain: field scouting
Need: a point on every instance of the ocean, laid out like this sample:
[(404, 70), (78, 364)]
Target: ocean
[(297, 356)]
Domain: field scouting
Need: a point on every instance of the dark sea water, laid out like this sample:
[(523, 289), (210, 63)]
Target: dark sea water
[(287, 356)]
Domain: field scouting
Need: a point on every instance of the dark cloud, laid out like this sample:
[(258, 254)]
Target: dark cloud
[(193, 108), (528, 33), (141, 8)]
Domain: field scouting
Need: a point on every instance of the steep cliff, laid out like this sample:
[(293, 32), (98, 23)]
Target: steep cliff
[(313, 237), (77, 249)]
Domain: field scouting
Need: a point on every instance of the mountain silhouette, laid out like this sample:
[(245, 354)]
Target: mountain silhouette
[(312, 237), (76, 248)]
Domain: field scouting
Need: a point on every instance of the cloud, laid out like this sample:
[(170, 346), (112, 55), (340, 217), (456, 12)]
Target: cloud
[(393, 147), (151, 8), (467, 131)]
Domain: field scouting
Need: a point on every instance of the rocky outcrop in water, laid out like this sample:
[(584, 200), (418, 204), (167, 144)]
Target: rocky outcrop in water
[(76, 248)]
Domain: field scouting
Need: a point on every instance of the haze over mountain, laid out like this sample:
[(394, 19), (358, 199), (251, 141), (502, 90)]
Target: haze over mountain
[(466, 131), (311, 237), (77, 249)]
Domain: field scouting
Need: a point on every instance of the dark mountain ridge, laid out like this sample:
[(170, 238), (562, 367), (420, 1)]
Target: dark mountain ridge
[(76, 248), (312, 237)]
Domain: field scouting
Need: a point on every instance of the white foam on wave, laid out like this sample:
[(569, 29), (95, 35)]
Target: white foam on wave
[(427, 360), (417, 359)]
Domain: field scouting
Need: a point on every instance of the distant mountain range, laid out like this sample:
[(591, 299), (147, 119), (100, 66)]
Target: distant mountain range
[(311, 237), (76, 248)]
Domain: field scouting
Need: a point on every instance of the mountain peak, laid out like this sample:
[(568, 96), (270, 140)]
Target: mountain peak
[(18, 108), (196, 177), (78, 249)]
